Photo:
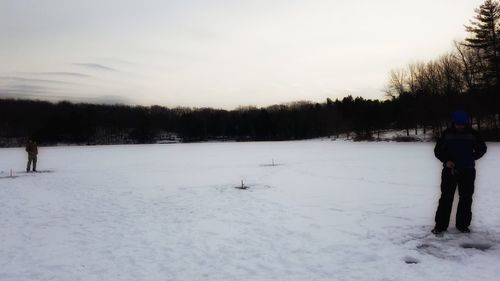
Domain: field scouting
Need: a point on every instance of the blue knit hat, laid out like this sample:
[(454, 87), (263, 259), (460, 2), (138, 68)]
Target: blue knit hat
[(460, 118)]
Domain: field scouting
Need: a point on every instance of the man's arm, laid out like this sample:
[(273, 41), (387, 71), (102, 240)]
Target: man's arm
[(440, 150), (479, 147)]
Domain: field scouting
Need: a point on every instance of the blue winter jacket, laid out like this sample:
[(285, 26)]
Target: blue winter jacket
[(461, 147)]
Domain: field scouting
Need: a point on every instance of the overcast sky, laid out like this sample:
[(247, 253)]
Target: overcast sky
[(217, 53)]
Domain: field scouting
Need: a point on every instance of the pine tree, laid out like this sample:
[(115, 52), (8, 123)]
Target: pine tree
[(485, 37)]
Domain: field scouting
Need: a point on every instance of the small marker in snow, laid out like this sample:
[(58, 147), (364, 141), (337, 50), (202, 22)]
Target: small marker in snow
[(242, 186)]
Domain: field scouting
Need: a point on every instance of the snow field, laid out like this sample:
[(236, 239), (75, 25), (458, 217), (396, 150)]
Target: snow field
[(327, 211)]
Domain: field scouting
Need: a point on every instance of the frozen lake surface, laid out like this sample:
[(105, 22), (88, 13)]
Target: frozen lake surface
[(326, 211)]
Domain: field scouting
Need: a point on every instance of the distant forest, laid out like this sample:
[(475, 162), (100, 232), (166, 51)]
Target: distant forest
[(420, 96), (101, 124)]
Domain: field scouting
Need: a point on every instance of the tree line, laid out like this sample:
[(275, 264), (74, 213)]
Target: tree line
[(80, 123), (420, 96)]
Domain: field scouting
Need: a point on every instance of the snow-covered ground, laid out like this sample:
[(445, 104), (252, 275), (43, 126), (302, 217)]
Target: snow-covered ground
[(329, 210)]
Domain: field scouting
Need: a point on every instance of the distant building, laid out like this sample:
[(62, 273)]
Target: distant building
[(164, 137)]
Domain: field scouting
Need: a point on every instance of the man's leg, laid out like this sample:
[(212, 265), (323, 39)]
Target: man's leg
[(29, 164), (465, 191), (34, 163), (448, 186)]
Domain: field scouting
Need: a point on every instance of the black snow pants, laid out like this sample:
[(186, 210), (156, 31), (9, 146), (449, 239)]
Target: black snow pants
[(449, 181), (31, 159)]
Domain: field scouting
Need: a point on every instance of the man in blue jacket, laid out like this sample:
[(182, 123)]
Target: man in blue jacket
[(458, 148)]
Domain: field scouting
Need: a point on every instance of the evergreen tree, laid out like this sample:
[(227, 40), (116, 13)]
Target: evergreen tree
[(485, 36)]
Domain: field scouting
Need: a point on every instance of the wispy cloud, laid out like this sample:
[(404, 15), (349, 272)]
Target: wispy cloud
[(68, 74), (96, 66), (24, 87), (30, 92), (36, 95), (55, 97), (11, 94), (31, 80), (27, 88)]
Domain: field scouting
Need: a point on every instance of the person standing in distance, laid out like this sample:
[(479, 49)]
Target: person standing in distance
[(32, 150), (458, 148)]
